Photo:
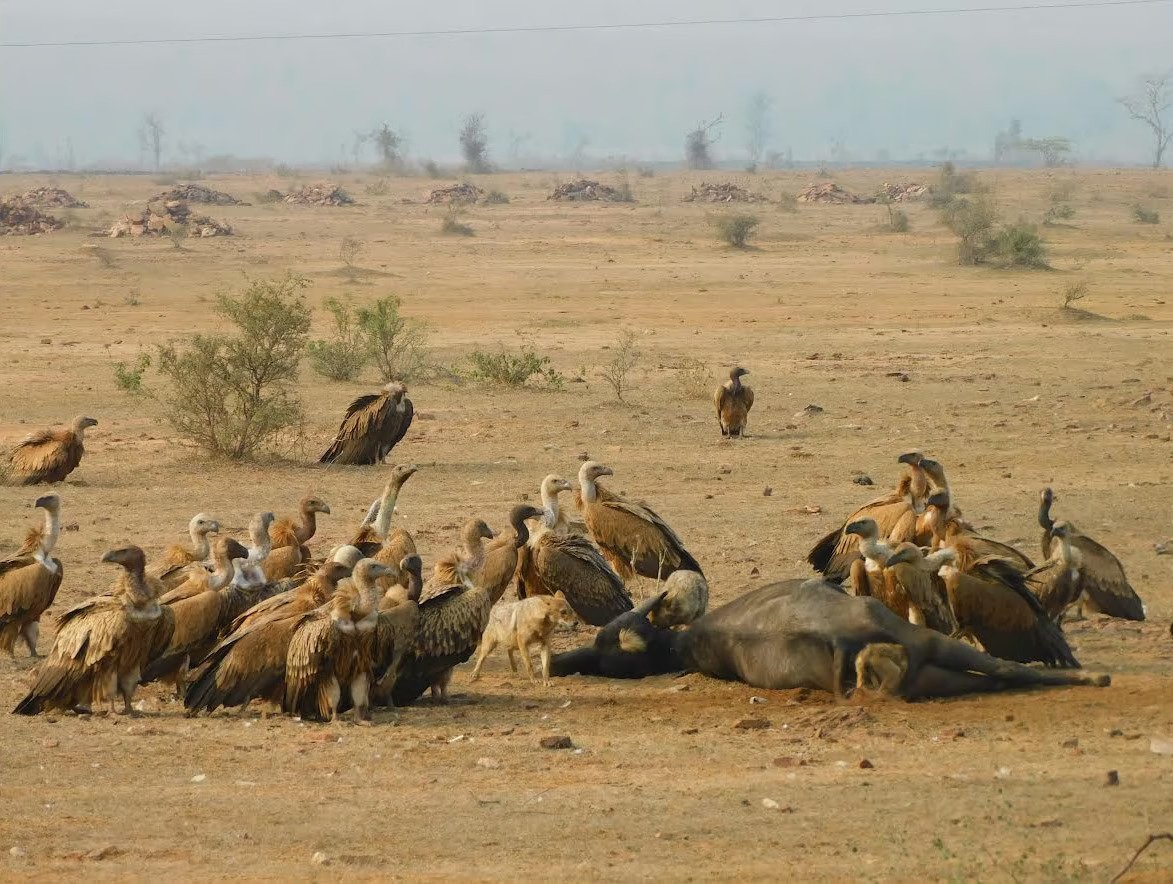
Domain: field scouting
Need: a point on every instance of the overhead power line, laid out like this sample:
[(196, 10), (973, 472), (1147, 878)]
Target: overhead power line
[(618, 26)]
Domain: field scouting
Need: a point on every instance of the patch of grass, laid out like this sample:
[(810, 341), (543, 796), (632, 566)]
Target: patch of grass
[(267, 197), (736, 229), (1059, 212), (788, 201), (379, 187), (453, 226), (1143, 215), (513, 368)]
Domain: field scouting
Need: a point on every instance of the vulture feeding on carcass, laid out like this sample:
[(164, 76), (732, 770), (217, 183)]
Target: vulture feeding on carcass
[(373, 425)]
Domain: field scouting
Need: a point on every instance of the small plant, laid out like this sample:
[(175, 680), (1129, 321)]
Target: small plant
[(950, 184), (378, 187), (284, 170), (1145, 216), (344, 357), (788, 201), (513, 368), (1058, 212), (348, 252), (623, 191), (694, 380), (232, 394), (453, 226), (102, 255), (1019, 245), (972, 220), (897, 218), (495, 198), (396, 344), (129, 379), (133, 298), (736, 229), (1074, 291), (624, 357), (177, 233), (267, 197)]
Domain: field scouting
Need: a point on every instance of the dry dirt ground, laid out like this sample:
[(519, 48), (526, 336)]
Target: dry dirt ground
[(1007, 390)]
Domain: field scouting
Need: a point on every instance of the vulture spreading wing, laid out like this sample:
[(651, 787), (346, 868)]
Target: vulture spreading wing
[(1104, 583), (895, 517), (373, 425), (572, 565), (450, 626)]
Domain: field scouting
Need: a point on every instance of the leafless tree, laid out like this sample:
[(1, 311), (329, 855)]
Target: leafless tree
[(698, 144), (1149, 105), (389, 144), (757, 127), (474, 143), (150, 136)]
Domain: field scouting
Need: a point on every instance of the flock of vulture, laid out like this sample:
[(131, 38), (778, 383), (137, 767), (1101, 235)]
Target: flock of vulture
[(911, 600)]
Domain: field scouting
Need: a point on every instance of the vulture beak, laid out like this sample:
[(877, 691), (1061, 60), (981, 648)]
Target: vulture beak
[(899, 558), (325, 509), (48, 502), (606, 471), (912, 458), (113, 557), (855, 528), (89, 422)]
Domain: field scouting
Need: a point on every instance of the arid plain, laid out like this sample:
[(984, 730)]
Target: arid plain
[(1009, 391)]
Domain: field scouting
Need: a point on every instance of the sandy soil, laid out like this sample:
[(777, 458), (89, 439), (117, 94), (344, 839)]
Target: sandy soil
[(1010, 392)]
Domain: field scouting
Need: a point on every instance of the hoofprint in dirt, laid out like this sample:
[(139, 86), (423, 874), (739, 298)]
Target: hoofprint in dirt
[(1017, 781)]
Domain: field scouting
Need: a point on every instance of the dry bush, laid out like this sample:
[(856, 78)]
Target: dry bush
[(453, 226), (788, 201), (735, 229), (972, 220), (1074, 291), (624, 357), (694, 379), (495, 198), (1143, 215), (512, 368), (474, 144)]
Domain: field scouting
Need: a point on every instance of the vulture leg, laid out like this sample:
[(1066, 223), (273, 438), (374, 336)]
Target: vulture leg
[(29, 634), (360, 694), (126, 686)]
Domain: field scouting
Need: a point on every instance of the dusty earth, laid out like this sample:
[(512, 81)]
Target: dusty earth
[(1009, 391)]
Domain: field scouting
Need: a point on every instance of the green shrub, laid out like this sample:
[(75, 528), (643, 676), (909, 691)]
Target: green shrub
[(950, 184), (129, 379), (345, 356), (397, 345), (736, 229), (513, 368), (972, 220), (1145, 216), (231, 394), (1019, 245)]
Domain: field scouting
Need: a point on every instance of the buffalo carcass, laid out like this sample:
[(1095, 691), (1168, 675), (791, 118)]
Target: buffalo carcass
[(806, 634)]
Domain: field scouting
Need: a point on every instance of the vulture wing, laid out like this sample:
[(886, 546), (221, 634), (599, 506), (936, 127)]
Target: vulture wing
[(657, 537), (833, 554), (48, 456), (974, 547), (356, 442), (1102, 578), (27, 589), (925, 591), (1054, 585), (307, 667), (575, 567), (450, 627), (394, 426), (195, 621)]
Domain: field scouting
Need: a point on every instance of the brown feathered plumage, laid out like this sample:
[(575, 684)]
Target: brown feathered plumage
[(1103, 585), (171, 568), (373, 425), (460, 564), (300, 529), (552, 563), (1056, 582), (29, 580), (399, 618), (630, 534), (913, 589), (499, 567), (50, 455), (733, 400), (103, 643)]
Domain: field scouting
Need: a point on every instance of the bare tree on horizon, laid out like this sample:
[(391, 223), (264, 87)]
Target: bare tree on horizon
[(757, 128), (150, 136), (1148, 105)]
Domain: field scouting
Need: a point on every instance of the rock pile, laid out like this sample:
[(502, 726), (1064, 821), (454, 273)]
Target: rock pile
[(458, 194), (830, 193), (197, 193), (51, 198), (904, 193), (321, 194), (584, 190), (722, 193), (161, 216), (18, 218)]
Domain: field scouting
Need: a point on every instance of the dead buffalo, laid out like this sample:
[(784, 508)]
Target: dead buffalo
[(806, 634)]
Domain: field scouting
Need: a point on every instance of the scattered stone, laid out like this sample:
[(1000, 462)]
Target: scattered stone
[(788, 761), (1072, 743), (162, 217), (754, 571), (51, 198), (321, 194), (767, 491), (863, 480), (813, 409), (199, 778), (1160, 746), (830, 193), (100, 853), (756, 700), (752, 724), (197, 193), (689, 731), (722, 193), (583, 456), (18, 218), (585, 190), (320, 859), (17, 852), (865, 764), (812, 509), (1164, 549), (558, 742), (488, 763), (770, 804), (1112, 778), (50, 743), (677, 689)]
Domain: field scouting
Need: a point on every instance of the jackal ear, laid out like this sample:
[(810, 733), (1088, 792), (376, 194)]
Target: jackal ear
[(650, 605), (560, 595)]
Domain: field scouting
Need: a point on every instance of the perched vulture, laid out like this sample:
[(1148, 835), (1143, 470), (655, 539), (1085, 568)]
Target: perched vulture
[(913, 590), (299, 530), (630, 534), (1056, 582), (895, 515), (373, 425), (501, 556), (971, 547), (399, 618), (311, 593), (50, 455), (277, 564), (250, 662), (376, 533), (994, 606), (460, 564), (103, 643), (554, 516), (29, 580), (172, 567), (733, 400), (685, 599), (331, 657), (550, 562), (1103, 585)]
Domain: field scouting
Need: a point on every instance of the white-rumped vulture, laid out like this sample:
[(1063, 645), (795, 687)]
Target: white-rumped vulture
[(103, 643), (629, 533), (733, 400), (50, 455), (1103, 585), (373, 425), (806, 634), (29, 580)]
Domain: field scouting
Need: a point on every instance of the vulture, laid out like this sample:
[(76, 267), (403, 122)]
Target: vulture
[(171, 567), (551, 562), (460, 564), (913, 590), (1056, 582), (29, 580), (276, 564), (733, 400), (250, 662), (971, 547), (936, 476), (895, 515), (373, 425), (685, 599), (502, 555), (376, 532), (103, 643), (50, 455), (331, 656), (630, 534), (306, 595), (1103, 585), (994, 607), (399, 618), (299, 530)]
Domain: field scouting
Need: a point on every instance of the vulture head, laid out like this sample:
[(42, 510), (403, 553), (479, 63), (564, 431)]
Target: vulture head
[(517, 519), (82, 423), (553, 485), (314, 505), (346, 555), (331, 572), (400, 473), (259, 526), (411, 576), (202, 524), (592, 470), (908, 554), (738, 373), (935, 471), (475, 531), (912, 458), (50, 503), (132, 558), (395, 390), (367, 571), (865, 528)]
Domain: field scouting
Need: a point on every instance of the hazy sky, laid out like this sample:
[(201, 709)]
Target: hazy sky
[(905, 85)]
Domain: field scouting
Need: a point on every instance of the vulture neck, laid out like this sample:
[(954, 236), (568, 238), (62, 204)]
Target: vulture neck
[(200, 546), (550, 510), (590, 491), (136, 588), (224, 573), (262, 545), (386, 511), (874, 550), (1062, 550), (49, 534), (306, 526), (735, 383), (1045, 520), (369, 596), (521, 534)]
